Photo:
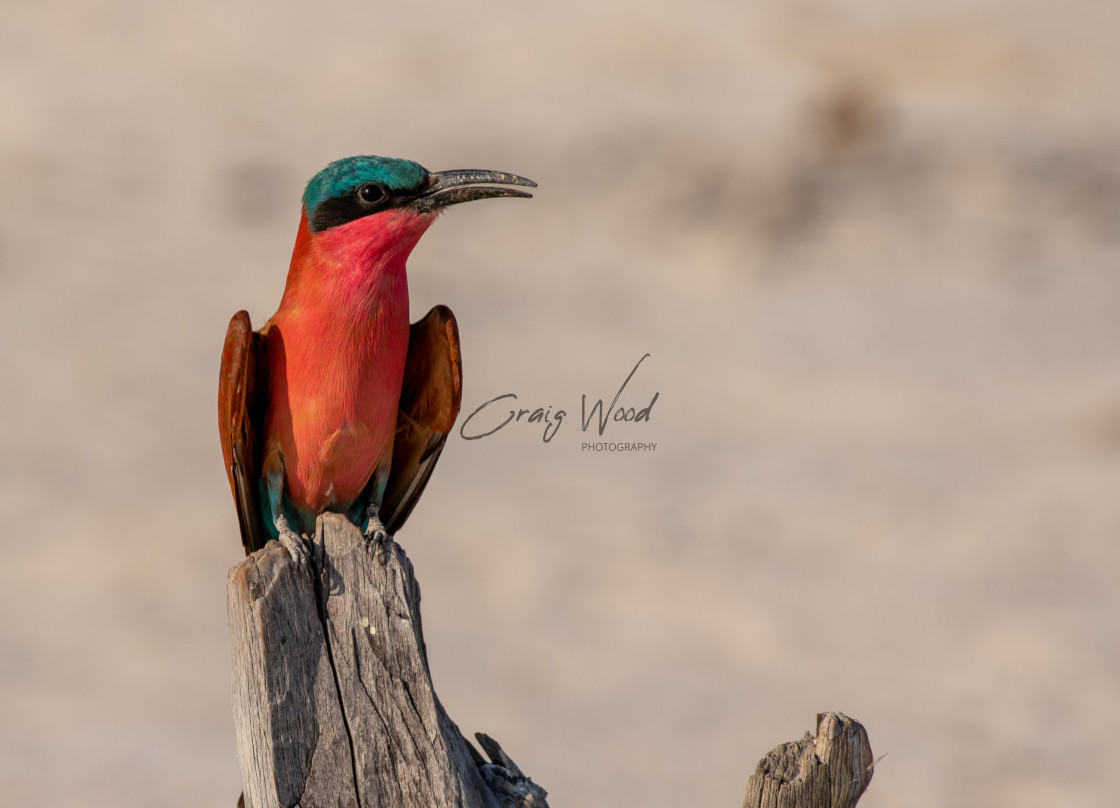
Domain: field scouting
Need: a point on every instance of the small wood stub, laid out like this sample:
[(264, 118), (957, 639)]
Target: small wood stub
[(830, 769)]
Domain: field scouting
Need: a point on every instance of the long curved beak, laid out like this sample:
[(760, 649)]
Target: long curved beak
[(464, 185)]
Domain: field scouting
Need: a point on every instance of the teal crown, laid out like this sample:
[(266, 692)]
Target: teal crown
[(343, 176)]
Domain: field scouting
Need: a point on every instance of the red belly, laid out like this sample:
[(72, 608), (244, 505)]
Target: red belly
[(333, 407)]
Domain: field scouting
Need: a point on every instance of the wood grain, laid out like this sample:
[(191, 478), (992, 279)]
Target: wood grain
[(333, 701), (830, 769)]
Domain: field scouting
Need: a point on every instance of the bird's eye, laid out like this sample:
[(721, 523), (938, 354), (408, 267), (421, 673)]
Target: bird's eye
[(370, 194)]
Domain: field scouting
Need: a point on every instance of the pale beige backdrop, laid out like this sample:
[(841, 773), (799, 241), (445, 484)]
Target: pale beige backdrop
[(873, 249)]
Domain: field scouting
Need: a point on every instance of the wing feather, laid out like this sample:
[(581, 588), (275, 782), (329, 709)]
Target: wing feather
[(430, 399), (242, 399)]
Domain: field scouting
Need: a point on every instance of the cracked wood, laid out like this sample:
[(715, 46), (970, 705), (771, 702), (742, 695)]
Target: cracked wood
[(333, 700)]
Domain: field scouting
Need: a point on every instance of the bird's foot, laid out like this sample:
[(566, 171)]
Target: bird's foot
[(377, 537), (293, 542)]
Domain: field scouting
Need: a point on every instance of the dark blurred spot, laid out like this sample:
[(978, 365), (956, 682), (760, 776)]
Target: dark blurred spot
[(849, 116), (845, 152), (257, 193)]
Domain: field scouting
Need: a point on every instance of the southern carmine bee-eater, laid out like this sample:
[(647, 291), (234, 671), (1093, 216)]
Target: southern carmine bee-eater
[(336, 404)]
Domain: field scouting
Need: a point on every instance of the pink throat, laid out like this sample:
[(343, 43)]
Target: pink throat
[(346, 265)]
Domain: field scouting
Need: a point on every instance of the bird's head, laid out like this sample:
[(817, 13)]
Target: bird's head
[(356, 188), (363, 215)]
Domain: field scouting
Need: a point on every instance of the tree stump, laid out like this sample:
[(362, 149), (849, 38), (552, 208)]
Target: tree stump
[(332, 698), (829, 770)]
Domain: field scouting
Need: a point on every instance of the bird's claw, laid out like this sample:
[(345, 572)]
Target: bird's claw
[(377, 537), (296, 547), (293, 543)]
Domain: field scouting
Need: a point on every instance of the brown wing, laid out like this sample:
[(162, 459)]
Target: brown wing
[(430, 397), (242, 400)]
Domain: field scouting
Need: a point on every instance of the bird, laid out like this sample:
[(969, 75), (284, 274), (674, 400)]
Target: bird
[(337, 403)]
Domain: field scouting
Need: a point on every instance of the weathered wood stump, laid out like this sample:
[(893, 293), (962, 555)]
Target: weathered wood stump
[(333, 701), (831, 769)]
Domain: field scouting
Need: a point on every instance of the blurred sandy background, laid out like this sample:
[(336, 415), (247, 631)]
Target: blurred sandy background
[(872, 248)]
